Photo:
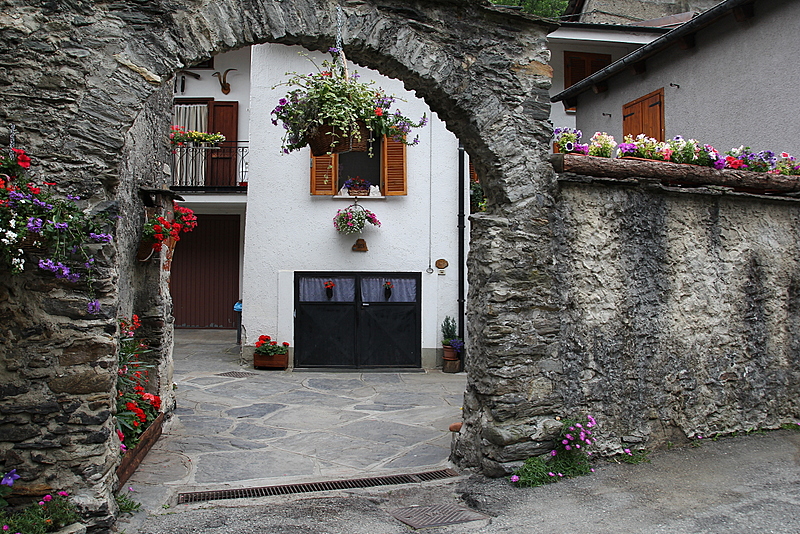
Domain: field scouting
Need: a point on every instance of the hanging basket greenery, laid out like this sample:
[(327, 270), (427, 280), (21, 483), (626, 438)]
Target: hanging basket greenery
[(343, 111), (353, 218)]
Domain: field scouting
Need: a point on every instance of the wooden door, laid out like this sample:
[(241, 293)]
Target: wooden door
[(223, 117), (205, 274), (358, 324), (645, 115)]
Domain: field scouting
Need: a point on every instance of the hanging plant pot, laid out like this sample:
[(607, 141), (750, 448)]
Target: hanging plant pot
[(145, 250), (327, 139), (387, 292), (329, 292)]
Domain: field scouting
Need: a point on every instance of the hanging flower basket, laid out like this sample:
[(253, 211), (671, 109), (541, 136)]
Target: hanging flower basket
[(353, 218), (327, 139), (332, 112)]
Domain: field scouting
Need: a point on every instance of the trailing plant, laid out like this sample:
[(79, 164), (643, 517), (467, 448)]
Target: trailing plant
[(269, 347), (332, 97), (353, 219), (53, 512), (568, 459), (33, 217), (179, 137), (136, 409)]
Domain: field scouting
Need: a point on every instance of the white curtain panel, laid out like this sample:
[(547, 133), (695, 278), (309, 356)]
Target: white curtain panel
[(190, 165)]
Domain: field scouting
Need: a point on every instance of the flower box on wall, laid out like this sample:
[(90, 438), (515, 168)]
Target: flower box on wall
[(134, 456), (271, 361)]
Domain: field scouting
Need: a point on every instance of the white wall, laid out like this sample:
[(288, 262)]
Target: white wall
[(208, 86), (289, 230)]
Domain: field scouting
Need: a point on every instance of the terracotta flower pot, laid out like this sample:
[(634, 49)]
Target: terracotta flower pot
[(329, 139)]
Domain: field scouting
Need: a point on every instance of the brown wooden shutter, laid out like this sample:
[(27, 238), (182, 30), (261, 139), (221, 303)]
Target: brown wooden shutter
[(393, 167), (324, 174), (645, 115)]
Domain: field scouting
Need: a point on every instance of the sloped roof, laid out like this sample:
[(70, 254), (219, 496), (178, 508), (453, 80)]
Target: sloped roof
[(686, 30)]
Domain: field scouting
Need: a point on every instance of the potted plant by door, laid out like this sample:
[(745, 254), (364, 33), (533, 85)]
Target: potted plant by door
[(332, 112), (451, 343), (270, 354)]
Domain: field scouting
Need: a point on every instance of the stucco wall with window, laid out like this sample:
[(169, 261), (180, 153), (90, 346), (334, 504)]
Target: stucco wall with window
[(736, 86), (290, 230)]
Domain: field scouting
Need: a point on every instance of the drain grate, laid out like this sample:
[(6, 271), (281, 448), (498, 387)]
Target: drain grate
[(436, 516), (237, 374), (266, 491)]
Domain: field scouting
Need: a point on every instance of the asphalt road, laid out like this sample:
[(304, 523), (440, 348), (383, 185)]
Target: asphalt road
[(746, 484)]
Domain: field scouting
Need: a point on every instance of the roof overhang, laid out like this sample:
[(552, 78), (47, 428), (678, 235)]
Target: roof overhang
[(683, 34)]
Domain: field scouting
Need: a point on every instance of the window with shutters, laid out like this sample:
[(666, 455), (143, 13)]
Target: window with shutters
[(386, 169), (579, 65), (645, 115)]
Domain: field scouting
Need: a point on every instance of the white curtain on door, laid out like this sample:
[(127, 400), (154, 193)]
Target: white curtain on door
[(190, 163)]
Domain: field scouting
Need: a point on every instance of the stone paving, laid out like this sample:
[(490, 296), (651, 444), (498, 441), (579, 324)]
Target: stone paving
[(278, 427)]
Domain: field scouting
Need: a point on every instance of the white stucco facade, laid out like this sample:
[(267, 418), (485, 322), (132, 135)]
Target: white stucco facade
[(286, 229)]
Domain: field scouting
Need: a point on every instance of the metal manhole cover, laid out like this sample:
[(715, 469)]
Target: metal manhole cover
[(436, 516), (237, 374)]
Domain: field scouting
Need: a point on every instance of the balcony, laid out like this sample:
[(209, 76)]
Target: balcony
[(219, 169)]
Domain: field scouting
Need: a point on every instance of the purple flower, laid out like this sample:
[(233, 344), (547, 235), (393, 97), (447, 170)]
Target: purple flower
[(60, 226), (514, 478), (553, 452), (101, 238), (73, 197), (333, 50), (35, 225), (569, 146), (10, 477), (94, 307)]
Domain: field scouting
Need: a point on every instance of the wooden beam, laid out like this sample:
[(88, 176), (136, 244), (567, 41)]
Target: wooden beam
[(675, 173), (600, 87), (640, 67)]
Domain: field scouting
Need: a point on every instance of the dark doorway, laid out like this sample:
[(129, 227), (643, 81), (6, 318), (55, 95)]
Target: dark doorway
[(363, 320), (205, 274)]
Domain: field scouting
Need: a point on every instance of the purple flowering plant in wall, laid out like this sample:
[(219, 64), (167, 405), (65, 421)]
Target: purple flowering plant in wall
[(42, 227), (569, 458), (52, 512)]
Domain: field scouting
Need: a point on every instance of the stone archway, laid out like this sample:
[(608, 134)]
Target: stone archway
[(85, 88)]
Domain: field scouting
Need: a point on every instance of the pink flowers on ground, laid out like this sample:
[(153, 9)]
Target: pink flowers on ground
[(514, 478)]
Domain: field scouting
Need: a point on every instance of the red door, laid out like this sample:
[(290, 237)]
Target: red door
[(205, 274), (223, 117)]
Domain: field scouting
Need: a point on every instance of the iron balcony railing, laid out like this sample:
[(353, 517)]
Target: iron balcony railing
[(210, 168)]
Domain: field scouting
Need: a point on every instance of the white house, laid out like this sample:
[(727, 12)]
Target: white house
[(266, 234)]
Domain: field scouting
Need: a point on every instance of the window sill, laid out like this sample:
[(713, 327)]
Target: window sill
[(350, 197)]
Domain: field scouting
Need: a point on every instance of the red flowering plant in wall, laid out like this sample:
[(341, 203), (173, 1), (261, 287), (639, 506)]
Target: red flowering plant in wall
[(266, 345), (136, 409), (158, 229)]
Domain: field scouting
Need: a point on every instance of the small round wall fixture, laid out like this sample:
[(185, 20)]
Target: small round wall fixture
[(441, 263)]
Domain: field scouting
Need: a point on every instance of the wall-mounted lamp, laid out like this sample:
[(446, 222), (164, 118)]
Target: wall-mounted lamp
[(360, 246), (607, 115), (675, 85)]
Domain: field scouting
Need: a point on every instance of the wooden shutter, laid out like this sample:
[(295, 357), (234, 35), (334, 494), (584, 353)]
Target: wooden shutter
[(645, 115), (579, 65), (393, 167), (324, 174)]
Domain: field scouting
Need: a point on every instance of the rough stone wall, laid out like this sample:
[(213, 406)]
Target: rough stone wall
[(73, 108), (680, 311), (78, 78), (676, 318)]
